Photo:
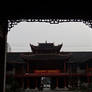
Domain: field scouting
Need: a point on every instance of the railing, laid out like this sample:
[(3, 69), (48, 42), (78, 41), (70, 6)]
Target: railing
[(79, 73), (51, 74), (67, 73)]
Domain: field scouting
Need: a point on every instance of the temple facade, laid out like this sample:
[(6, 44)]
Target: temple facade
[(48, 65)]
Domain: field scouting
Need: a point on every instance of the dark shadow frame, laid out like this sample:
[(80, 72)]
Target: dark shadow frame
[(7, 23)]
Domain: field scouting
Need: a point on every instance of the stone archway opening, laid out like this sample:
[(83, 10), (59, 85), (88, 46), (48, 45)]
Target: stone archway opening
[(3, 33), (51, 22)]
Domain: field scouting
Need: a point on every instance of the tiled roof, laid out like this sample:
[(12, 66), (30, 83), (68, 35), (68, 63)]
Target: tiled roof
[(76, 57), (80, 57), (46, 47), (14, 57)]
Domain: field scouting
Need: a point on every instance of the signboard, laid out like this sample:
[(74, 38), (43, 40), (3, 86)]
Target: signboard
[(46, 71)]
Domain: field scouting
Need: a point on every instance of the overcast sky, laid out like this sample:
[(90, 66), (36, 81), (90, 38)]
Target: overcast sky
[(75, 36)]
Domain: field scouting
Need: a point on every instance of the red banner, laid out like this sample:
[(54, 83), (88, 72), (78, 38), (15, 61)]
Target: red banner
[(46, 71)]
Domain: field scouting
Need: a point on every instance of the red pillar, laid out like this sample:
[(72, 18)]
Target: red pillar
[(36, 82), (28, 83), (22, 83), (64, 67), (69, 67), (28, 68), (64, 82), (64, 72), (23, 69), (87, 73), (87, 68), (56, 82)]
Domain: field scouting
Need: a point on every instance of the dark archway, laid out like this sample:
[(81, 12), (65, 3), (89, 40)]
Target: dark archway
[(13, 22), (30, 18)]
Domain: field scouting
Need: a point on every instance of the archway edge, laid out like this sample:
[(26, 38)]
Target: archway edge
[(12, 22)]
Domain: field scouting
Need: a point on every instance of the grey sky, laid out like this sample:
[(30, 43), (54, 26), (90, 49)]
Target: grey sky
[(75, 36)]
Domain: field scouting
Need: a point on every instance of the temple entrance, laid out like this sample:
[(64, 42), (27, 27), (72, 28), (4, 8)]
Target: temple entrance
[(46, 83)]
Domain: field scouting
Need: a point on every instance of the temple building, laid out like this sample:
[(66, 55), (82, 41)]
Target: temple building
[(47, 64)]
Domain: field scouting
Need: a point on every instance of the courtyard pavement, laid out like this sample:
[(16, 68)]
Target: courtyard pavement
[(48, 90)]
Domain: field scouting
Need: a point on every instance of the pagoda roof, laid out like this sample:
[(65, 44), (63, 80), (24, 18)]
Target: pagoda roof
[(46, 47), (46, 56), (76, 57)]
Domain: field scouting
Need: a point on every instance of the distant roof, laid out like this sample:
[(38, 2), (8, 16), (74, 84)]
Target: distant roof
[(14, 57), (46, 48), (80, 57)]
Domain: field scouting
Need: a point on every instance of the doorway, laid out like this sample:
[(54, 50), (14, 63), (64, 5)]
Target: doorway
[(46, 83)]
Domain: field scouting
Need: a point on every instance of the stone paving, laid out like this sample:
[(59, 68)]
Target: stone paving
[(48, 90)]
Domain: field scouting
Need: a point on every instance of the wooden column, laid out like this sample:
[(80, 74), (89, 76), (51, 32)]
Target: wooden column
[(64, 82), (28, 80), (64, 72), (56, 82), (36, 82), (87, 67), (22, 83), (64, 67), (28, 83), (87, 73), (28, 68), (23, 68), (69, 68)]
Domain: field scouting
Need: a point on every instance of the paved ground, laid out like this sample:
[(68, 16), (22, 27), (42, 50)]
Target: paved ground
[(48, 90), (51, 91), (55, 91)]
